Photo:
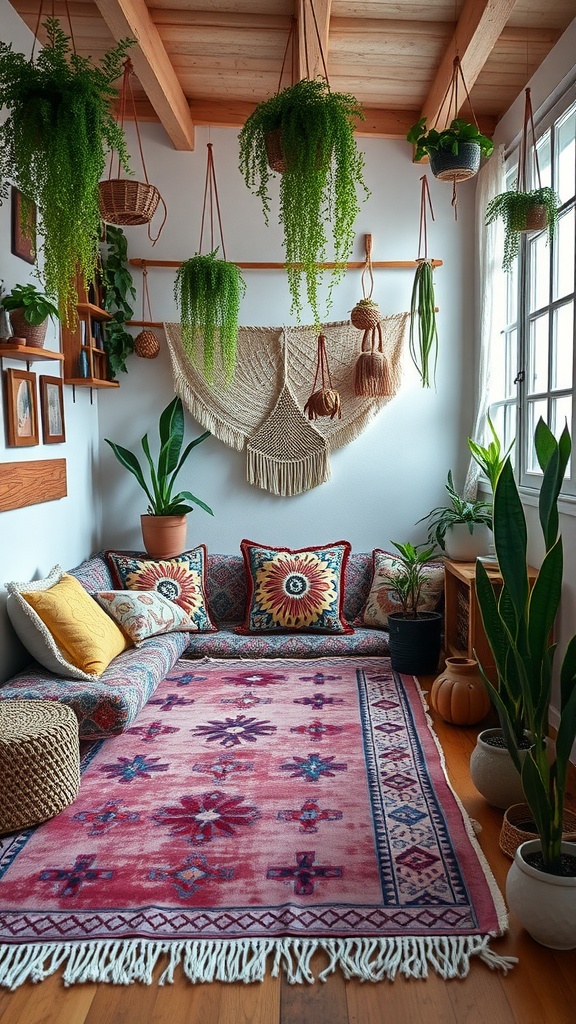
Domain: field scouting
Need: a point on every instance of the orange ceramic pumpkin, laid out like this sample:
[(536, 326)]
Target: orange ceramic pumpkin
[(458, 694)]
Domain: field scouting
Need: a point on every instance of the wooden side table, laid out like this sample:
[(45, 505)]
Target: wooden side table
[(463, 630)]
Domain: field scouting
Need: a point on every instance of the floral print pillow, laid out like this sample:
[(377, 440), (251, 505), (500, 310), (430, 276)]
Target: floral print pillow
[(144, 613), (295, 590), (180, 579)]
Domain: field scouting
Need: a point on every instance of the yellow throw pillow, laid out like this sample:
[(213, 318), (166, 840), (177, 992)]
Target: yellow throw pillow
[(81, 629)]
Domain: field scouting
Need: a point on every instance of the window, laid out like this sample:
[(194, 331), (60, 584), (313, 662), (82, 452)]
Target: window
[(534, 369)]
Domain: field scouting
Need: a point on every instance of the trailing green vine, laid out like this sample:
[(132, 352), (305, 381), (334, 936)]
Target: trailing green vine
[(318, 187), (53, 146), (118, 286), (208, 291)]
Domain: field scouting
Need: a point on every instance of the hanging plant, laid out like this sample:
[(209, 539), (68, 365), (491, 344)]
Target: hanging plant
[(118, 289), (521, 209), (53, 146), (318, 187), (208, 291), (423, 336)]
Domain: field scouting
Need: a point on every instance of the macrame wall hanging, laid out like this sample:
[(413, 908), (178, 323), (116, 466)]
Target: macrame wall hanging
[(371, 374), (146, 344), (235, 411)]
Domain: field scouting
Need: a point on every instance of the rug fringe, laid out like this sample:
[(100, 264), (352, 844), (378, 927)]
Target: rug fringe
[(124, 961)]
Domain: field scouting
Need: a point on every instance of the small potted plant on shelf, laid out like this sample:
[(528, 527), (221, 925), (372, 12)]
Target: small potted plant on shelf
[(541, 884), (29, 310), (535, 210), (462, 527), (455, 152), (415, 635), (306, 133), (53, 145), (164, 525)]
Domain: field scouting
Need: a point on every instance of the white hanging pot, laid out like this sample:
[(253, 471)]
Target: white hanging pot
[(463, 546), (544, 904)]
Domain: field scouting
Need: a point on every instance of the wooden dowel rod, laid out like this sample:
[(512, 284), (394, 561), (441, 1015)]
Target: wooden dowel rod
[(159, 323), (356, 265)]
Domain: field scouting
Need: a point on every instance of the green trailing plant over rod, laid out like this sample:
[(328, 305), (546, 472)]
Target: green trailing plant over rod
[(118, 289), (208, 292), (323, 171), (53, 146)]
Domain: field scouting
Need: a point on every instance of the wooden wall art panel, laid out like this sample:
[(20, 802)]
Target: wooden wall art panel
[(29, 483)]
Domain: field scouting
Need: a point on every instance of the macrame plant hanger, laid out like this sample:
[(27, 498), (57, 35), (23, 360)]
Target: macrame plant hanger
[(146, 344), (464, 171), (424, 350), (325, 401), (372, 377), (124, 201), (211, 203), (536, 215)]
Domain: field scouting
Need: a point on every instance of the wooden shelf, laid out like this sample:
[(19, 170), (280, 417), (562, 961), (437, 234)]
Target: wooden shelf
[(91, 382), (27, 353), (94, 311), (85, 363)]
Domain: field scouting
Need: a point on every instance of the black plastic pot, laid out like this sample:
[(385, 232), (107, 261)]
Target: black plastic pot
[(415, 643), (447, 166)]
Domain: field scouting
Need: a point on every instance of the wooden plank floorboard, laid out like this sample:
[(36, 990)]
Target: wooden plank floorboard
[(541, 989)]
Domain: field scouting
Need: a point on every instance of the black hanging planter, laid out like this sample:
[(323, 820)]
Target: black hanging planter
[(415, 643), (448, 166)]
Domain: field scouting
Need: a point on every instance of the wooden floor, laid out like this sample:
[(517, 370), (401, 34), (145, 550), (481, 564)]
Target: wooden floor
[(541, 989)]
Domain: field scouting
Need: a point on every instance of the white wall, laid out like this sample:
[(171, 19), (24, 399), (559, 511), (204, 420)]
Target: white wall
[(395, 472), (33, 539)]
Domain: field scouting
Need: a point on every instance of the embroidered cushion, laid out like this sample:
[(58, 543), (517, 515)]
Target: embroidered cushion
[(144, 613), (382, 597), (300, 590), (180, 579), (63, 627)]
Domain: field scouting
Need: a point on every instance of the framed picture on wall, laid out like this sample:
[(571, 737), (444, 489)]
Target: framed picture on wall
[(22, 244), (21, 408), (52, 410)]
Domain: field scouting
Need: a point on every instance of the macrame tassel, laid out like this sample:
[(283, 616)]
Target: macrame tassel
[(325, 401), (372, 377)]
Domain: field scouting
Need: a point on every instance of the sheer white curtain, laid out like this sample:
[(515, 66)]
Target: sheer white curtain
[(491, 285)]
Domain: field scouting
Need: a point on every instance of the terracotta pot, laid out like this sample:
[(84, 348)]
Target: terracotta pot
[(544, 904), (458, 694), (164, 536), (463, 546), (493, 772), (34, 336)]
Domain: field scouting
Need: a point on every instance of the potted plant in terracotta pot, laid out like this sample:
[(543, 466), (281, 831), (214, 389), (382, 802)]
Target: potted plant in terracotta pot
[(541, 884), (461, 528), (30, 310), (415, 635), (164, 525)]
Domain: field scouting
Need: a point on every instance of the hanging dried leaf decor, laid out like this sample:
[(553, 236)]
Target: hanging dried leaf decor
[(423, 339), (325, 401)]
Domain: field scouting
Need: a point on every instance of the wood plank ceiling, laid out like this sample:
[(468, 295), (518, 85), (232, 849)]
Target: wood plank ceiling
[(201, 62)]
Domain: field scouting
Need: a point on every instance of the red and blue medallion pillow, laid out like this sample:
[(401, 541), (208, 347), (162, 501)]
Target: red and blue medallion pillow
[(298, 590), (181, 579)]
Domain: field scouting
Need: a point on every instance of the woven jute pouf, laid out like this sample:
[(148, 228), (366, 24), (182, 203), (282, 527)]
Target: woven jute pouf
[(39, 761)]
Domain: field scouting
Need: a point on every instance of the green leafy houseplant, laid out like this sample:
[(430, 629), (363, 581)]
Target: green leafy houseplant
[(318, 186), (208, 291), (489, 457), (118, 289), (429, 140), (409, 575), (162, 500), (459, 510), (423, 334), (53, 146), (514, 207), (414, 635), (35, 305), (518, 624)]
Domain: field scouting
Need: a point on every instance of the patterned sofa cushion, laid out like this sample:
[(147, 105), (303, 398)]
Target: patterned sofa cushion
[(226, 643)]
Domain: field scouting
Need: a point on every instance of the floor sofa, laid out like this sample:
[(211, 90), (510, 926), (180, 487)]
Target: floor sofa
[(110, 705)]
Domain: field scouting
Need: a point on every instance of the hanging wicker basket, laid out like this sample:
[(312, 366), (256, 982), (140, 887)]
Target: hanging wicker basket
[(273, 143), (146, 344), (126, 202), (365, 315)]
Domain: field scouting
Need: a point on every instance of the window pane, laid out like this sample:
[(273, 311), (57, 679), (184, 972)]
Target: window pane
[(510, 431), (543, 150), (562, 351), (535, 411), (512, 294), (565, 136), (539, 256), (538, 355), (564, 255), (562, 415), (511, 365)]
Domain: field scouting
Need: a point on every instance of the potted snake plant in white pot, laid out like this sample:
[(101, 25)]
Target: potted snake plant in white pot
[(462, 527), (541, 884), (164, 524), (415, 635)]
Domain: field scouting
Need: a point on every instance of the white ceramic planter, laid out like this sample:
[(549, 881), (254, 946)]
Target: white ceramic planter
[(494, 774), (464, 546), (544, 904)]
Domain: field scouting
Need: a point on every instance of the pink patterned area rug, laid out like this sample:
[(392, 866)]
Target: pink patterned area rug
[(256, 812)]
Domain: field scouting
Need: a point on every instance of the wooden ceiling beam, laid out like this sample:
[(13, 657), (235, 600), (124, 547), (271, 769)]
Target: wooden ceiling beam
[(152, 66), (310, 47), (480, 25)]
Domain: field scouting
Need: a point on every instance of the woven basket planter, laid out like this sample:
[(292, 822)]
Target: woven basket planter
[(536, 218), (273, 143), (515, 830), (127, 202), (34, 335), (146, 345), (448, 166)]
